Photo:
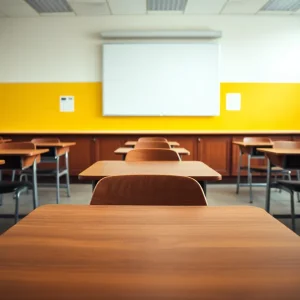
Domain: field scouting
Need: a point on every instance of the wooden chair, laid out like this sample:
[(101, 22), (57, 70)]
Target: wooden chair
[(152, 155), (153, 144), (152, 139), (148, 190)]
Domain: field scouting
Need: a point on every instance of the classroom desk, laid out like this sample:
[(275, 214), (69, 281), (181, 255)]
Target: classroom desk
[(22, 159), (251, 150), (133, 143), (2, 162), (124, 150), (56, 150), (288, 159), (5, 140), (149, 252), (195, 169)]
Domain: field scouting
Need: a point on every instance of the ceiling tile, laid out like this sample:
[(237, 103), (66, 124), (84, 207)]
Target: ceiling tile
[(204, 6), (17, 8), (90, 9), (127, 7), (243, 6)]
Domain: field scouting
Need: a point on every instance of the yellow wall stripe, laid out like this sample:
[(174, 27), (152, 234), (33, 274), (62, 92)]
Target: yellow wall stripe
[(35, 106)]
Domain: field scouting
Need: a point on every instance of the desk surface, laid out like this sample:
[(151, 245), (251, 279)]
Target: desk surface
[(125, 150), (5, 140), (280, 151), (149, 252), (171, 143), (195, 169), (2, 162), (257, 144), (22, 152), (58, 145)]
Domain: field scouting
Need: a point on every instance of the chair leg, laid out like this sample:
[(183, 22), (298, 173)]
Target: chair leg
[(57, 181), (293, 211), (68, 175), (17, 196), (298, 178), (1, 196), (250, 179), (239, 172), (13, 175)]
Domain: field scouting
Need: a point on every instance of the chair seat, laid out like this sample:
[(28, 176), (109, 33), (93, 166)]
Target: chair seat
[(13, 186), (42, 171), (265, 169), (293, 185)]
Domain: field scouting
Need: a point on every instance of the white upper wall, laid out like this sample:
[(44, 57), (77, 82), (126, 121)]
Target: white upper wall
[(62, 49)]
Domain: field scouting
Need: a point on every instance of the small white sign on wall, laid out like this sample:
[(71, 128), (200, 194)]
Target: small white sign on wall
[(66, 103), (233, 101)]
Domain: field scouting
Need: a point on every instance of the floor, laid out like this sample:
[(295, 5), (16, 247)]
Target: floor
[(217, 194)]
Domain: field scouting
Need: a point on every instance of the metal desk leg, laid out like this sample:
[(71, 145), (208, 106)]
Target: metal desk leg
[(268, 191), (67, 175), (203, 185), (34, 188), (94, 183), (239, 172), (1, 196)]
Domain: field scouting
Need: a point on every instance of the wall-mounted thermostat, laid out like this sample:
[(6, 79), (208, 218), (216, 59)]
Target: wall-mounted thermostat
[(66, 103)]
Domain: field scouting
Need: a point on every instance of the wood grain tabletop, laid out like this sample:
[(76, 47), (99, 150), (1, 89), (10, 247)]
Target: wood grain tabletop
[(171, 143), (147, 252), (255, 144), (125, 150), (22, 152), (280, 151), (195, 169)]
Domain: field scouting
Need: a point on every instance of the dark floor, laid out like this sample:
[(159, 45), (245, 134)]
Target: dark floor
[(217, 195)]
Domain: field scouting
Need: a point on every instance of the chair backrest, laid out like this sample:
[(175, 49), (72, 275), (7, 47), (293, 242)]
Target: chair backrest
[(286, 144), (17, 145), (45, 140), (256, 140), (152, 155), (152, 139), (148, 190), (153, 144)]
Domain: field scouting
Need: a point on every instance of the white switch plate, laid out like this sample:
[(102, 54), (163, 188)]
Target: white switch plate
[(66, 103)]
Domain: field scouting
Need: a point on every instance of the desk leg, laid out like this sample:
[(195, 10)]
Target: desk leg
[(268, 191), (1, 196), (94, 183), (203, 185), (123, 156), (67, 175), (34, 188)]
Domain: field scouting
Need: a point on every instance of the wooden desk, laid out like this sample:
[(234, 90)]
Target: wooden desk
[(285, 158), (2, 162), (149, 252), (5, 140), (22, 159), (133, 143), (124, 150), (56, 150), (195, 169)]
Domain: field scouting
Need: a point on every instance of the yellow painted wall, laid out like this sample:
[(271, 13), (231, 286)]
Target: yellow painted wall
[(35, 106)]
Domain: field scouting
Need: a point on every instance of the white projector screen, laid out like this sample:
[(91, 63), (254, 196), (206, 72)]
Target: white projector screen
[(161, 80)]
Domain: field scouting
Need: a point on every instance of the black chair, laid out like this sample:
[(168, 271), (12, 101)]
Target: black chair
[(290, 186), (16, 187)]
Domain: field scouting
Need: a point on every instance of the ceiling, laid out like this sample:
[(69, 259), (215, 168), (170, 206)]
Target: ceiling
[(76, 8)]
